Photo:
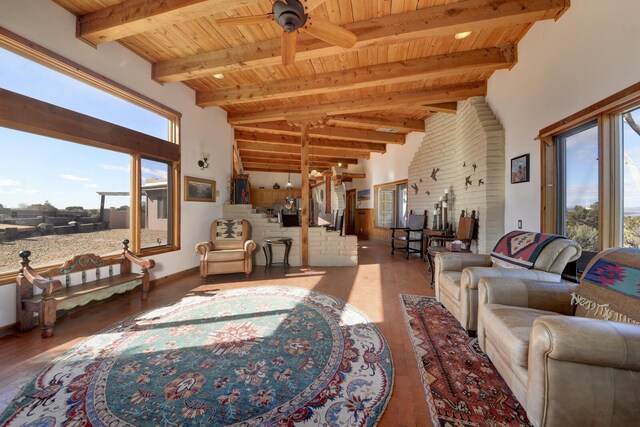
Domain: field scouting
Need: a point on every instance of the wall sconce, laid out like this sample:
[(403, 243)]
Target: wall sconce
[(203, 162)]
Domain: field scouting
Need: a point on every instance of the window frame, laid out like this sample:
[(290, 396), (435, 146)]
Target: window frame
[(167, 153), (394, 185), (607, 114)]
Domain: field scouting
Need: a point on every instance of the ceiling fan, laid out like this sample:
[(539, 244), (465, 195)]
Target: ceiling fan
[(293, 16)]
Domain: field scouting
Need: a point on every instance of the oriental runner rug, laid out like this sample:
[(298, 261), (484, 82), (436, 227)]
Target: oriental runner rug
[(252, 357), (461, 385)]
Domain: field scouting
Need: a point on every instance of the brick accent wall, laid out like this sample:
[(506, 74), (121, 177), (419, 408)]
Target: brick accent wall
[(472, 136), (326, 248)]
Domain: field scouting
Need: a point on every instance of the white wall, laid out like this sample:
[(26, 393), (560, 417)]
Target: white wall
[(49, 25), (563, 67), (454, 144), (388, 167), (267, 179)]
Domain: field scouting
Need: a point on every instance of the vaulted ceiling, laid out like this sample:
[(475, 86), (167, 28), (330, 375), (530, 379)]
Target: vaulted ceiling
[(405, 65)]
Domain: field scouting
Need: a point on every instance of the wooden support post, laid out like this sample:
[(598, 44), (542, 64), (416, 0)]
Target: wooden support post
[(304, 166), (102, 196)]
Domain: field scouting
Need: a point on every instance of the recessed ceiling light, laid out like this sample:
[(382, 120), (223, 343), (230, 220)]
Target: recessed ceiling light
[(463, 35), (219, 76)]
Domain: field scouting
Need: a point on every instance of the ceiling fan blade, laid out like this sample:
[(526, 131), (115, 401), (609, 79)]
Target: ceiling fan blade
[(246, 20), (309, 5), (329, 32), (289, 42)]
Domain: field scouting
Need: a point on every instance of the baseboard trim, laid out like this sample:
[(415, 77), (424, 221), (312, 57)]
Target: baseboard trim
[(174, 276), (7, 330)]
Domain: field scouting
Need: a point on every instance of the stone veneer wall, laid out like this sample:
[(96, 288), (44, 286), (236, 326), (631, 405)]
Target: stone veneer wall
[(472, 136), (326, 248)]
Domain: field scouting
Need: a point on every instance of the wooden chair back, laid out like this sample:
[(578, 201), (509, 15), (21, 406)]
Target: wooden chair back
[(466, 228)]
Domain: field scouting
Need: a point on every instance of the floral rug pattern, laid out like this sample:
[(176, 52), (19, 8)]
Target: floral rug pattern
[(251, 357), (461, 384)]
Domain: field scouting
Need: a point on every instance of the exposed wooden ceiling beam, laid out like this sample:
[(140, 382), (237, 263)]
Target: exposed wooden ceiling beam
[(445, 107), (315, 151), (433, 67), (328, 132), (351, 175), (290, 162), (132, 17), (283, 156), (375, 122), (267, 138), (444, 20), (357, 105), (261, 167), (272, 168)]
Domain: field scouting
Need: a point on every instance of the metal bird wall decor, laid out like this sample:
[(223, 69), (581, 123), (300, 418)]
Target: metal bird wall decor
[(468, 182), (434, 174), (415, 187)]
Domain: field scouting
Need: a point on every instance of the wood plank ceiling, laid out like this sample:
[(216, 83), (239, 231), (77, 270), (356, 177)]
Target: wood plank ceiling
[(405, 66)]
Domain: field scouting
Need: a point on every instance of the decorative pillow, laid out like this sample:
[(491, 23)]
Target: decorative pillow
[(520, 249), (610, 287), (229, 229)]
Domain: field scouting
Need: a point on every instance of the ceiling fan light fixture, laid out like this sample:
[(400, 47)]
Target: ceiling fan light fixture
[(463, 35), (290, 16)]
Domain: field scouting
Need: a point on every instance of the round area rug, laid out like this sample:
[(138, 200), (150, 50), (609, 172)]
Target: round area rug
[(254, 356)]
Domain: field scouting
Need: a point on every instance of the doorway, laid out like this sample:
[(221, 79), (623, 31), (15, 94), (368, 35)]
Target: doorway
[(350, 212)]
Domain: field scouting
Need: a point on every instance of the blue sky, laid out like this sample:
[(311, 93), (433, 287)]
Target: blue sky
[(67, 174), (582, 167)]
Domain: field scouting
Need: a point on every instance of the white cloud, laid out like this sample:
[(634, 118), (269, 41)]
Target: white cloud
[(159, 173), (115, 168), (91, 186), (73, 177), (8, 182)]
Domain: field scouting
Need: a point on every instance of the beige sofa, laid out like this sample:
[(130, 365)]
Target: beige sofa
[(229, 249), (457, 276), (565, 370)]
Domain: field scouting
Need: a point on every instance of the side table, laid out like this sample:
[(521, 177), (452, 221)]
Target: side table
[(268, 253)]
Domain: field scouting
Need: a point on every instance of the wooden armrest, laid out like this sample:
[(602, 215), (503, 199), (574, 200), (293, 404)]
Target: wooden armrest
[(398, 228), (143, 263), (48, 286)]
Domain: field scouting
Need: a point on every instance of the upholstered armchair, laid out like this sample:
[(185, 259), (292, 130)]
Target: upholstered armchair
[(457, 274), (229, 249), (570, 353)]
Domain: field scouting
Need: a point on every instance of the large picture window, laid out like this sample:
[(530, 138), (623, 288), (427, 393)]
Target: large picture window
[(579, 212), (591, 176), (86, 163), (630, 121)]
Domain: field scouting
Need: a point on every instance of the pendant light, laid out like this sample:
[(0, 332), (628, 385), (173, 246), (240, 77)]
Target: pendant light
[(289, 184)]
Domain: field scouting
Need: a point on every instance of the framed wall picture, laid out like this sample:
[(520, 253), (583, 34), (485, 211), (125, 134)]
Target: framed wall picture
[(199, 190), (520, 169)]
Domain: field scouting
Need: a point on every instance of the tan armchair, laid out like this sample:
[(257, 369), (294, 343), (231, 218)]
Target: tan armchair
[(229, 250), (457, 276), (566, 369)]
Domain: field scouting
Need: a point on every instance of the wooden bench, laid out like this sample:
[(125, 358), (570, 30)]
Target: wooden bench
[(43, 307)]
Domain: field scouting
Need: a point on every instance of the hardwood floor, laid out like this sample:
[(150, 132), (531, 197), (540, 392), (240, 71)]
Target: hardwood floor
[(373, 287)]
